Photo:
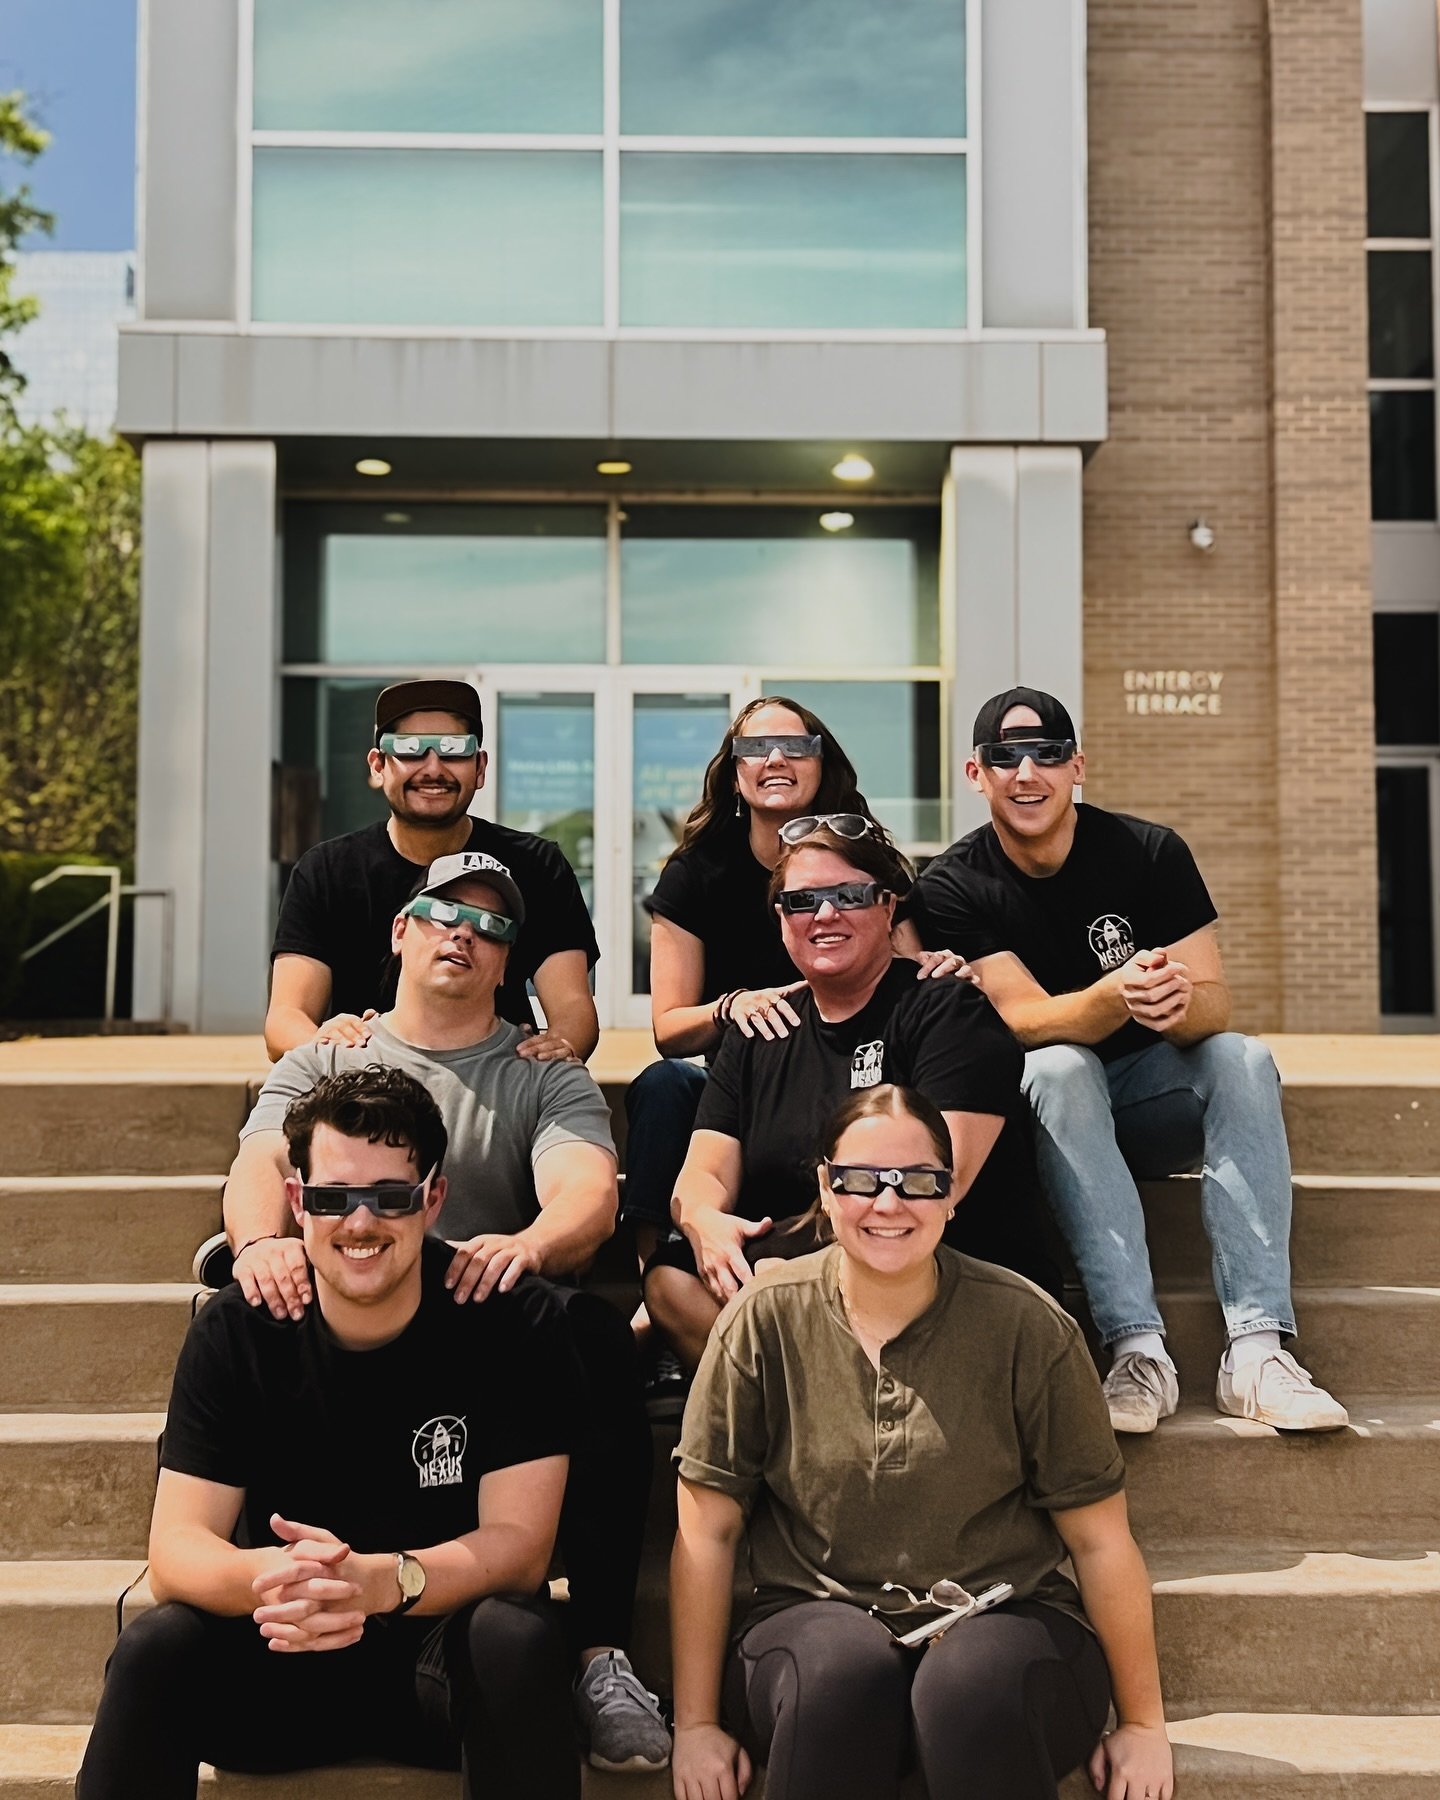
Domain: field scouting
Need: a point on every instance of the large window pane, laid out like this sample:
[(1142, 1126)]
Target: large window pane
[(890, 730), (769, 586), (793, 68), (674, 737), (445, 584), (1407, 678), (427, 237), (1401, 315), (449, 65), (1402, 455), (1407, 912), (1397, 164), (545, 762), (326, 728), (797, 240)]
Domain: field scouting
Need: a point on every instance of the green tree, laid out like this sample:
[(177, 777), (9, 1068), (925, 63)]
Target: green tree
[(23, 140)]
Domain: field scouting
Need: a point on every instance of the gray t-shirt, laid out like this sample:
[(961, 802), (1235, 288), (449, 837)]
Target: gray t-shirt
[(502, 1111)]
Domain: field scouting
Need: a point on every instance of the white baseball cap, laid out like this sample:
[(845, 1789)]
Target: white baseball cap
[(479, 867)]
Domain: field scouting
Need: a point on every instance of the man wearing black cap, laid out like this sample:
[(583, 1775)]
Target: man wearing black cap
[(330, 961), (1093, 935)]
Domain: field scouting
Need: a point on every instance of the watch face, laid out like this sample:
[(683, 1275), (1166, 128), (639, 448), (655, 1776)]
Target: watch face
[(412, 1578)]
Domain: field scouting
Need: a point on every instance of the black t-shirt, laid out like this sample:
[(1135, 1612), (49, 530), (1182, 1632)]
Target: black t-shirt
[(719, 893), (343, 896), (942, 1037), (1126, 885), (384, 1447)]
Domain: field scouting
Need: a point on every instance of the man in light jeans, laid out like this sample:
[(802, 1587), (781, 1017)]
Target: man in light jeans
[(1093, 935)]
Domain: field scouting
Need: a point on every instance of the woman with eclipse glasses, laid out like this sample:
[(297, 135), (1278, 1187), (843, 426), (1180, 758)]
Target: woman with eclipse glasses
[(861, 1019), (915, 1441)]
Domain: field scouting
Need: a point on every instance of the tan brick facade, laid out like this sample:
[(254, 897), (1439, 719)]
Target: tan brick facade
[(1227, 267)]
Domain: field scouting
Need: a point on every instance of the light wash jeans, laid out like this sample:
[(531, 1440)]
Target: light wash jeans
[(1159, 1111)]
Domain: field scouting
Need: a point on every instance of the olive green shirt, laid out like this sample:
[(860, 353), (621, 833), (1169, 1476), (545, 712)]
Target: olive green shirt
[(985, 1417)]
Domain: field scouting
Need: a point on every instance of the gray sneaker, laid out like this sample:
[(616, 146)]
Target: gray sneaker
[(619, 1717), (1140, 1391)]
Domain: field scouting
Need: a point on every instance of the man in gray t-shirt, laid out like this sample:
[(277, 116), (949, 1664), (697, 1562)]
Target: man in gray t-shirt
[(531, 1190)]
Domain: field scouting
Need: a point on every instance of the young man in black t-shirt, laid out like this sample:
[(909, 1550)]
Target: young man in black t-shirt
[(330, 962), (1094, 936), (393, 1466)]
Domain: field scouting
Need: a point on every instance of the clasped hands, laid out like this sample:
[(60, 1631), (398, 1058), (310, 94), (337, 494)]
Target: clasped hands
[(1156, 989), (316, 1593)]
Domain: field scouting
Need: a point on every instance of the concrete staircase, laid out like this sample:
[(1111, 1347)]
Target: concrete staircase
[(1297, 1581)]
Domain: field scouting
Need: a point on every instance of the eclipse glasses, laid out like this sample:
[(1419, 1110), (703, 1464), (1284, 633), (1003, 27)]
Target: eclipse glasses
[(410, 746), (864, 1182), (384, 1200), (1045, 753), (756, 749), (492, 925)]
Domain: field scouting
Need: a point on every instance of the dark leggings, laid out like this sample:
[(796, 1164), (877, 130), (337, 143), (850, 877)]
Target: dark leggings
[(184, 1687), (660, 1107), (602, 1521), (1001, 1708)]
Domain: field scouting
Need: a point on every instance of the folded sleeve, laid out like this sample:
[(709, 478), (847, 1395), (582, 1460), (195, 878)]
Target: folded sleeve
[(295, 1074), (305, 926), (723, 1440), (572, 1111), (1184, 900), (206, 1425), (1071, 1457)]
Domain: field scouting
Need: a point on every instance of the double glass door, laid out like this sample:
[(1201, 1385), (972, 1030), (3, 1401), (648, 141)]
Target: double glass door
[(608, 764)]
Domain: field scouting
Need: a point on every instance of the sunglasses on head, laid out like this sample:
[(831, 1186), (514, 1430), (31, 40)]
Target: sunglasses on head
[(492, 925), (385, 1200), (756, 749), (847, 896), (845, 825), (1045, 753), (410, 746), (917, 1182)]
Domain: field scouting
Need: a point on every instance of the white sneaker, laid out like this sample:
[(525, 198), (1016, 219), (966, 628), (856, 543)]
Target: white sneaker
[(1276, 1391), (1140, 1391)]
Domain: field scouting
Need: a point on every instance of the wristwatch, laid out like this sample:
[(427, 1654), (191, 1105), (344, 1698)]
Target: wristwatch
[(410, 1574)]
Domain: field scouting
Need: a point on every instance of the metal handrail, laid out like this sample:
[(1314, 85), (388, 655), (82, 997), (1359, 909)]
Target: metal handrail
[(115, 892)]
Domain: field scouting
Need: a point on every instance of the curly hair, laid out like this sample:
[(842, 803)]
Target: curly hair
[(383, 1106)]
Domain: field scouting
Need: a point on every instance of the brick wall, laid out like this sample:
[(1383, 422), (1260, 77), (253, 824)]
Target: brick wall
[(1211, 236)]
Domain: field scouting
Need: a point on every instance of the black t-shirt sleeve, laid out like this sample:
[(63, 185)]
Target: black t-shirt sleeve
[(1182, 900), (679, 896), (556, 917), (950, 913), (720, 1104), (544, 1382), (954, 1047), (206, 1426), (304, 926)]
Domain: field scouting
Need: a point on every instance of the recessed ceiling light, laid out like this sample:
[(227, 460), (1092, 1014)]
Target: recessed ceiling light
[(837, 521), (372, 465), (615, 466), (853, 468), (396, 518)]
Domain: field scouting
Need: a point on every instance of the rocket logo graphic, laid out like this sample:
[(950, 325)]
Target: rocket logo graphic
[(438, 1451)]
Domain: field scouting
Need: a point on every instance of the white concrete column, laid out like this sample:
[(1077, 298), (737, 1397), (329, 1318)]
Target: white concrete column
[(1011, 575), (207, 726)]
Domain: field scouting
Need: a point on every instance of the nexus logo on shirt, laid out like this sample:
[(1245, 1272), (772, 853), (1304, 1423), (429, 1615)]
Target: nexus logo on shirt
[(1112, 940), (866, 1064), (438, 1450)]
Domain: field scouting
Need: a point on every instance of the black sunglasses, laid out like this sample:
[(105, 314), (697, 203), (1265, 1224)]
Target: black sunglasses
[(385, 1200), (1045, 753), (848, 896), (917, 1182)]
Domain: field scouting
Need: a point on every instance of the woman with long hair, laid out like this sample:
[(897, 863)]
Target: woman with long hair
[(902, 1430)]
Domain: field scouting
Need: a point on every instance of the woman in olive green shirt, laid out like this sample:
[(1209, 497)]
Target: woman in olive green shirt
[(886, 1410)]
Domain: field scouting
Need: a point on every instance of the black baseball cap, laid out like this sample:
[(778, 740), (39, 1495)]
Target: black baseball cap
[(1055, 722), (403, 697)]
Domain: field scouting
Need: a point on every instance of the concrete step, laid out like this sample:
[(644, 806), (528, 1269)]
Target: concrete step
[(96, 1124), (1354, 1340), (90, 1347), (124, 1227), (76, 1484), (1342, 1127), (1355, 1228), (57, 1626)]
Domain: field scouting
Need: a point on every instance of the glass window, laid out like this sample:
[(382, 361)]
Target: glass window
[(545, 768), (449, 65), (1402, 455), (1401, 315), (1407, 678), (890, 730), (427, 237), (773, 241), (674, 737), (1397, 164), (326, 728), (765, 586), (793, 68), (456, 584), (1407, 906)]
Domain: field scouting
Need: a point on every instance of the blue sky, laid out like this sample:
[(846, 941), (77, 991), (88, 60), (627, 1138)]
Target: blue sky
[(76, 61)]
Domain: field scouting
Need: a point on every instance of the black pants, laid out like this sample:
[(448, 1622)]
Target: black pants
[(660, 1107), (1002, 1708), (485, 1690), (602, 1522)]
